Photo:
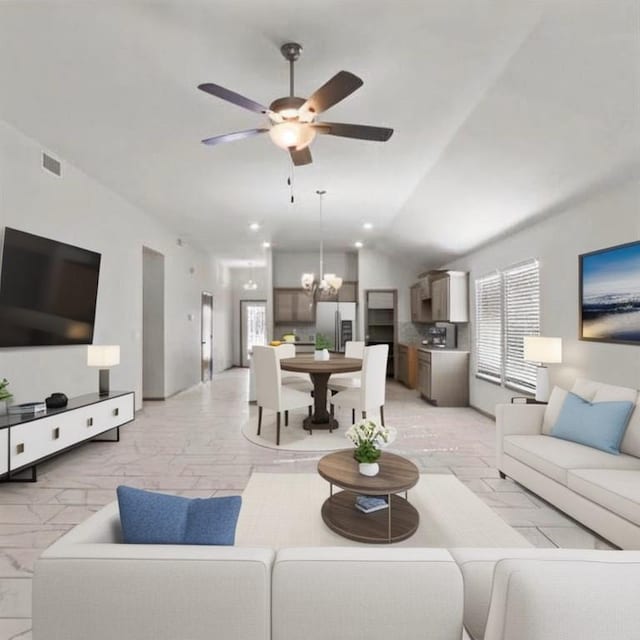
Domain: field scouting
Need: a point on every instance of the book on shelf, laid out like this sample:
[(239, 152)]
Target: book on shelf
[(26, 408), (369, 504)]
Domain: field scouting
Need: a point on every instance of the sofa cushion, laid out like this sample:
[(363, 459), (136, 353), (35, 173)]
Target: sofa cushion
[(616, 490), (599, 424), (553, 408), (155, 518), (600, 392), (554, 457)]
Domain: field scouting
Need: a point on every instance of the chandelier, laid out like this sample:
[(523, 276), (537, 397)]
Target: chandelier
[(329, 282), (250, 284)]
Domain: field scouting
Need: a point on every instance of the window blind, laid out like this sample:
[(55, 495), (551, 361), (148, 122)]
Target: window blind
[(489, 327), (521, 318)]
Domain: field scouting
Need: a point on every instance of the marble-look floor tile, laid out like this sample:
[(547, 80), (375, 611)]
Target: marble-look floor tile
[(15, 598), (574, 538), (15, 629), (18, 562), (536, 537)]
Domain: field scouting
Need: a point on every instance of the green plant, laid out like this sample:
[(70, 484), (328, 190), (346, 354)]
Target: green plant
[(322, 342), (4, 394), (368, 437)]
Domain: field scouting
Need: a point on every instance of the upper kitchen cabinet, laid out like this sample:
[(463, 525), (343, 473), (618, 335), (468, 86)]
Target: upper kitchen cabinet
[(292, 306), (450, 297), (420, 305), (348, 292)]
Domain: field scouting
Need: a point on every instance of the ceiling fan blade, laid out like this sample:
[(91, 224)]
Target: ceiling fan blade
[(360, 131), (230, 137), (338, 88), (301, 156), (233, 97)]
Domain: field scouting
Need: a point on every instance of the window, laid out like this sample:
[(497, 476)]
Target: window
[(507, 309), (489, 327)]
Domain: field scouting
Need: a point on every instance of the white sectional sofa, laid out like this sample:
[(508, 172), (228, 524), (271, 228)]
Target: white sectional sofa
[(599, 489), (90, 586)]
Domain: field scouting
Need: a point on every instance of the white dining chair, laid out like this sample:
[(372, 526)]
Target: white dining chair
[(371, 394), (344, 381), (299, 381), (270, 393)]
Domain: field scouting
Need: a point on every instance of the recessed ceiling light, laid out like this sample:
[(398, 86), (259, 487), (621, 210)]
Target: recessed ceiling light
[(358, 245), (368, 226), (254, 226), (266, 245)]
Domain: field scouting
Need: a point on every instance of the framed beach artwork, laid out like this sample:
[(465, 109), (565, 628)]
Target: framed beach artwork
[(610, 294)]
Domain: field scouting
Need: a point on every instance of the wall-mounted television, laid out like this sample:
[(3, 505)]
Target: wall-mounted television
[(48, 291), (610, 294)]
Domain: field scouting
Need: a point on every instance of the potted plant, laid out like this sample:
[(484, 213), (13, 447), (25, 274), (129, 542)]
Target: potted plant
[(4, 395), (322, 347), (368, 437)]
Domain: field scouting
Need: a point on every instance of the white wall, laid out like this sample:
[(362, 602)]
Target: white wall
[(78, 210), (609, 219), (288, 266)]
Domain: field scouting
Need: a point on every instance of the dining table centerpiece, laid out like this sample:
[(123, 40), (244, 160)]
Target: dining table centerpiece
[(368, 437)]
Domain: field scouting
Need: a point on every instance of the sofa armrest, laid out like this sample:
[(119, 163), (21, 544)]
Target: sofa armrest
[(478, 565), (152, 592)]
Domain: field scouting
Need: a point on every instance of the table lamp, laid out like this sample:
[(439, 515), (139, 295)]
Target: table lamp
[(542, 350), (103, 356)]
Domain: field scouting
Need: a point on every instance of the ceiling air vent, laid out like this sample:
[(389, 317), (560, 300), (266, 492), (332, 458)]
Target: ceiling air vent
[(51, 164)]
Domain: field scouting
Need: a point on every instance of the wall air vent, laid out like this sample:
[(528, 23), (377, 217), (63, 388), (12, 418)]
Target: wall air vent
[(51, 164)]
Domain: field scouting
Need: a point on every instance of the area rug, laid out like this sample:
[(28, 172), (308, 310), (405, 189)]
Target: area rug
[(283, 510), (294, 437)]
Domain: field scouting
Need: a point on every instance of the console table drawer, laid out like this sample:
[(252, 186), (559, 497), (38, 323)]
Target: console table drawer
[(38, 439), (112, 413)]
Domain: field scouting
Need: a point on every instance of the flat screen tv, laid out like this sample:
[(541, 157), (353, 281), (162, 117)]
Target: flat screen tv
[(48, 291), (610, 294)]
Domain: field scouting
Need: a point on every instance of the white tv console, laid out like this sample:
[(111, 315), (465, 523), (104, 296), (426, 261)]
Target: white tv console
[(28, 439)]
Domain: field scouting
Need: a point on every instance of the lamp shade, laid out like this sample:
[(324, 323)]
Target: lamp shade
[(542, 349), (103, 355)]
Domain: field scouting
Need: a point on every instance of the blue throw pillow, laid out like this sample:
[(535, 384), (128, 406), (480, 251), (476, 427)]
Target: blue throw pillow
[(600, 425), (156, 518)]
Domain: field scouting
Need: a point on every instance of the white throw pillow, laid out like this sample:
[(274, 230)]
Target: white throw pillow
[(552, 410), (586, 389)]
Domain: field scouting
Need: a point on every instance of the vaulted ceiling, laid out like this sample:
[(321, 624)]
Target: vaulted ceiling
[(503, 112)]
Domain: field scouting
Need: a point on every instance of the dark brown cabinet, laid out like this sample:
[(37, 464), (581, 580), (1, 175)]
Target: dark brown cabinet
[(407, 365), (293, 306)]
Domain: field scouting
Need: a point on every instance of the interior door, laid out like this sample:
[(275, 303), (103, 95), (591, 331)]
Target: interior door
[(207, 336), (253, 327)]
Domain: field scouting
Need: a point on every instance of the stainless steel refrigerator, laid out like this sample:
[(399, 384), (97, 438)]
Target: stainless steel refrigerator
[(336, 321)]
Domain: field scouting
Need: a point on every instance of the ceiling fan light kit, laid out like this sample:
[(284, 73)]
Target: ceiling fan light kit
[(292, 124)]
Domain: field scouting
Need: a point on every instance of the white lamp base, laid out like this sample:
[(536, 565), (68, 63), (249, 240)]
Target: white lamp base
[(542, 384)]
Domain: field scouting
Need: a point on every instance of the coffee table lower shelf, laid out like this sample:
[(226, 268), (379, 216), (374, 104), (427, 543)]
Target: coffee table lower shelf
[(387, 525)]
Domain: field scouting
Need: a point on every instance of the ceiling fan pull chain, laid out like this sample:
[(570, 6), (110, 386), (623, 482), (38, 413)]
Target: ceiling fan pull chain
[(290, 180)]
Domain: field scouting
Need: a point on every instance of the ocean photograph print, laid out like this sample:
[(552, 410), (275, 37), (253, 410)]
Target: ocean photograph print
[(610, 294)]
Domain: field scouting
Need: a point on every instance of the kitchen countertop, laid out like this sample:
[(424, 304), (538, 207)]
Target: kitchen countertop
[(429, 349)]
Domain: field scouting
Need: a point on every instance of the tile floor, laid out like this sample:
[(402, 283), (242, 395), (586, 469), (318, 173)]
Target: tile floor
[(191, 445)]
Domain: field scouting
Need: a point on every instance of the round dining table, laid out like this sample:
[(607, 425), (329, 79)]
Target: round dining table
[(320, 371)]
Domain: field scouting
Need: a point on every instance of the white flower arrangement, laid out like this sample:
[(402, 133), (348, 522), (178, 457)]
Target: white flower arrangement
[(368, 438)]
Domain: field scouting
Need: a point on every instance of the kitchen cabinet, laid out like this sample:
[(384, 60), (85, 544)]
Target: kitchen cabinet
[(408, 365), (293, 306), (443, 377), (348, 292), (420, 306), (450, 297)]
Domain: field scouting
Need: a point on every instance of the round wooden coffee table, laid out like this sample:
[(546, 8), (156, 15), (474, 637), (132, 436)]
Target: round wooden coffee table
[(397, 474)]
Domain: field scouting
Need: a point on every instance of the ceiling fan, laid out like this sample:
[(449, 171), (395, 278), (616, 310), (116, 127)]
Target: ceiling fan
[(292, 120)]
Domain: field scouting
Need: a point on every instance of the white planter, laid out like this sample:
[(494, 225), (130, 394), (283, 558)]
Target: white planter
[(368, 468), (321, 354)]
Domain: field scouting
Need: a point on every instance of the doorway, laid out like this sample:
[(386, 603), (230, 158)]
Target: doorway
[(253, 327), (207, 336), (153, 377)]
